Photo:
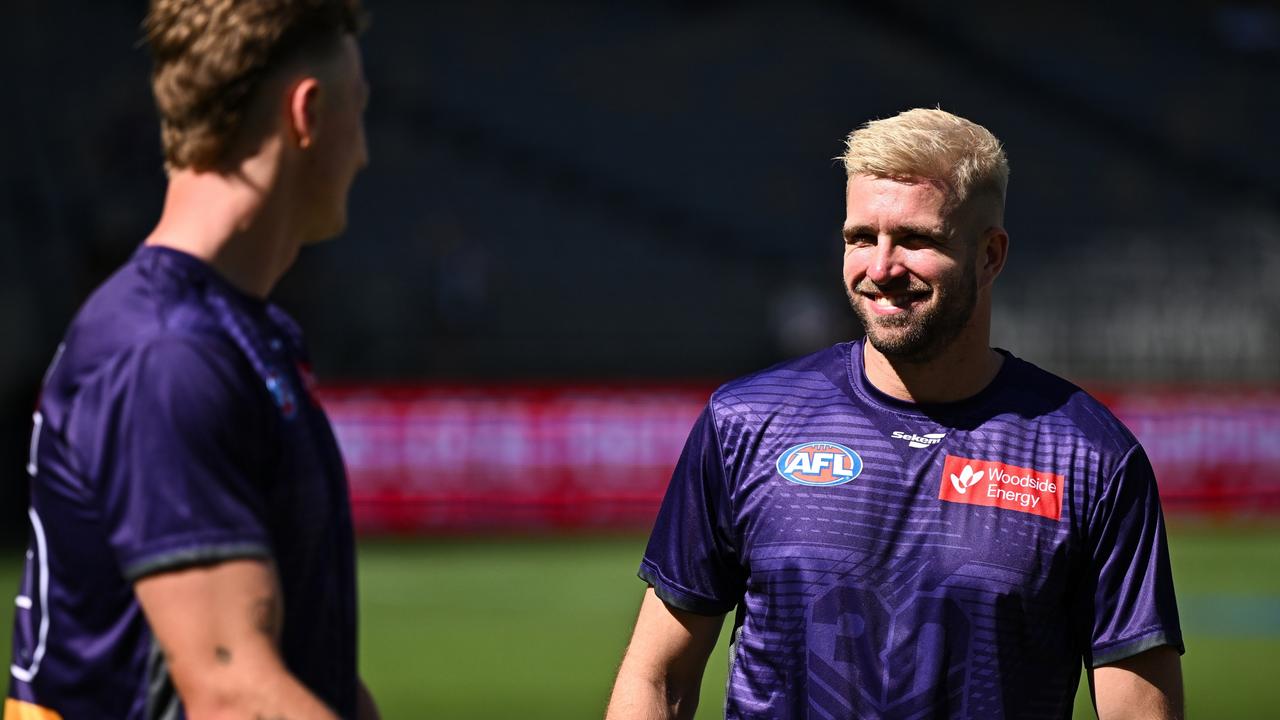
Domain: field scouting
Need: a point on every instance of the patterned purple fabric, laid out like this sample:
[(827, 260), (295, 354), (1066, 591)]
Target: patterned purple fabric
[(174, 428), (894, 560)]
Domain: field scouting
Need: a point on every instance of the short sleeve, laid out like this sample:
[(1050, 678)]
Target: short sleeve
[(178, 439), (691, 561), (1129, 606)]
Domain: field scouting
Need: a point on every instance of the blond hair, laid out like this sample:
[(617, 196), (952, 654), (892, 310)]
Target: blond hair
[(211, 55), (930, 144)]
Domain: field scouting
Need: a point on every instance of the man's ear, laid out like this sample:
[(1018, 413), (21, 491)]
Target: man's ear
[(304, 111), (993, 251)]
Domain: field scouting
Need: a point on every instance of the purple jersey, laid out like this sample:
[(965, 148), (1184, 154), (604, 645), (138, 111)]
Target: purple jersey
[(174, 428), (895, 560)]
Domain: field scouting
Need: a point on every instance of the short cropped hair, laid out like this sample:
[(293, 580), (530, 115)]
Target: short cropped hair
[(210, 56), (930, 144)]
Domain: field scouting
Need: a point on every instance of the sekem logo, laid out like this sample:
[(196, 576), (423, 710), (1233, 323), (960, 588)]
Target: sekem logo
[(819, 463), (918, 441)]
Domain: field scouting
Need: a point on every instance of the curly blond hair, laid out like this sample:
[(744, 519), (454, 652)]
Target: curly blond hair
[(930, 144), (211, 55)]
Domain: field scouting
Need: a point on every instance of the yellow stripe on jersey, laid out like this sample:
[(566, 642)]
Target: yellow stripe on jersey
[(18, 710)]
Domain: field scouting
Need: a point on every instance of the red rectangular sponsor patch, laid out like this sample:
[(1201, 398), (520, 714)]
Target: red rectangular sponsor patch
[(995, 484)]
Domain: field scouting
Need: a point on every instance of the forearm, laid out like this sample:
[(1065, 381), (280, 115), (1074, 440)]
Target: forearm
[(240, 687), (642, 696)]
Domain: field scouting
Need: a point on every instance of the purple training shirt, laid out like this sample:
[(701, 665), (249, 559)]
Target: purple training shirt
[(175, 428), (893, 560)]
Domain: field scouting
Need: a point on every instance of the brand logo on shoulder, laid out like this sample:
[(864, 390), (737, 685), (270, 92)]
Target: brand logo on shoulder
[(282, 394), (918, 441), (819, 463), (1007, 487)]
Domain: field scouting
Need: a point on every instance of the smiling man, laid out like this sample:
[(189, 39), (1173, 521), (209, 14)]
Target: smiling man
[(914, 524)]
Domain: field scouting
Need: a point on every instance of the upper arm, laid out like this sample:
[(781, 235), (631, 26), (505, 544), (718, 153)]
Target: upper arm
[(1134, 637), (1146, 685), (179, 489), (695, 576), (176, 447), (693, 559), (672, 643), (1125, 603), (214, 623), (218, 627), (661, 674)]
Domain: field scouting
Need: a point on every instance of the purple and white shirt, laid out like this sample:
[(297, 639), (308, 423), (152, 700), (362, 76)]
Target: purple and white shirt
[(174, 428), (893, 560)]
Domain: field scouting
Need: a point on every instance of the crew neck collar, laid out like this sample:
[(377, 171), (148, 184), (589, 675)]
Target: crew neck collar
[(197, 268), (862, 386)]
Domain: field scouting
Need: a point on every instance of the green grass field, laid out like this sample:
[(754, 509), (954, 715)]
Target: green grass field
[(534, 628)]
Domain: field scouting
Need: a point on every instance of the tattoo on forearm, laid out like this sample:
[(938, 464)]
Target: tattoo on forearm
[(266, 616), (222, 654)]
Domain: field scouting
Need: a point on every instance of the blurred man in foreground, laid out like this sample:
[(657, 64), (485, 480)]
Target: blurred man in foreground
[(913, 524), (191, 546)]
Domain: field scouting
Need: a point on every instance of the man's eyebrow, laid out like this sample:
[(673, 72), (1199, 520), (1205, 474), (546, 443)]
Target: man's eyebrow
[(895, 231), (926, 230)]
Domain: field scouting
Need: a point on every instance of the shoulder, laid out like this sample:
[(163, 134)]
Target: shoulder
[(796, 383), (165, 383), (143, 319), (1064, 407)]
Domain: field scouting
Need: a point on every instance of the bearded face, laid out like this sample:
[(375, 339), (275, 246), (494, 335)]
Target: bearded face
[(911, 276), (930, 317)]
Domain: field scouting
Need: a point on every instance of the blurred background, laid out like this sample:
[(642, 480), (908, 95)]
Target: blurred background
[(581, 217)]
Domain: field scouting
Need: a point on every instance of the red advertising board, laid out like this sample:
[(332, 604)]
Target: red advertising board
[(449, 458), (446, 458), (1214, 451)]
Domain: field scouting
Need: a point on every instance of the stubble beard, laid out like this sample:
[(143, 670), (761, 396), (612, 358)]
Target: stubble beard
[(919, 336)]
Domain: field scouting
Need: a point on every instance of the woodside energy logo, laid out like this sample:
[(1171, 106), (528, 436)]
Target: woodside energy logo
[(995, 484)]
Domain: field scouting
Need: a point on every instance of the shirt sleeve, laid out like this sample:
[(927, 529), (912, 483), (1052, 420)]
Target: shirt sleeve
[(1131, 595), (692, 561), (178, 457)]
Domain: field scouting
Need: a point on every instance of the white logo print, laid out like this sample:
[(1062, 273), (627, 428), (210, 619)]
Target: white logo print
[(967, 479), (918, 441)]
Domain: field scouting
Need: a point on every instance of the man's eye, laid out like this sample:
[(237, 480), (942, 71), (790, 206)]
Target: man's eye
[(920, 240), (860, 239)]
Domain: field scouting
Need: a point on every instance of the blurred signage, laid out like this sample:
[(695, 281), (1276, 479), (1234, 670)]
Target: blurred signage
[(492, 458), (1213, 451), (495, 458)]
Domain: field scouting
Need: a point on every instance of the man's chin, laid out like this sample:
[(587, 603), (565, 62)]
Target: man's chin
[(889, 326), (901, 344)]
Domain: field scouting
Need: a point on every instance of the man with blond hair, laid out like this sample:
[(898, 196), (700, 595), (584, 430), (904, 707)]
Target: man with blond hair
[(914, 524), (191, 547)]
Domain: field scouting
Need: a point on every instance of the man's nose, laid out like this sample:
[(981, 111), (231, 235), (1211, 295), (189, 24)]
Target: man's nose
[(885, 263)]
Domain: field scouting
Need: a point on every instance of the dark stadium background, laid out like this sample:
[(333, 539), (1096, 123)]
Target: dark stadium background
[(629, 195)]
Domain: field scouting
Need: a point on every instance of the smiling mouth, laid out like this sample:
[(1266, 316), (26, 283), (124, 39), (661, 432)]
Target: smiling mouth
[(894, 301)]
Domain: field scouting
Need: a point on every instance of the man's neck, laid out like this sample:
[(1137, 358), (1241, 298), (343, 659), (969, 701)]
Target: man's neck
[(961, 371), (232, 223)]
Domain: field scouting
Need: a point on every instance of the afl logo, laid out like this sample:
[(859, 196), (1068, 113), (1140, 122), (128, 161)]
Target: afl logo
[(819, 463)]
